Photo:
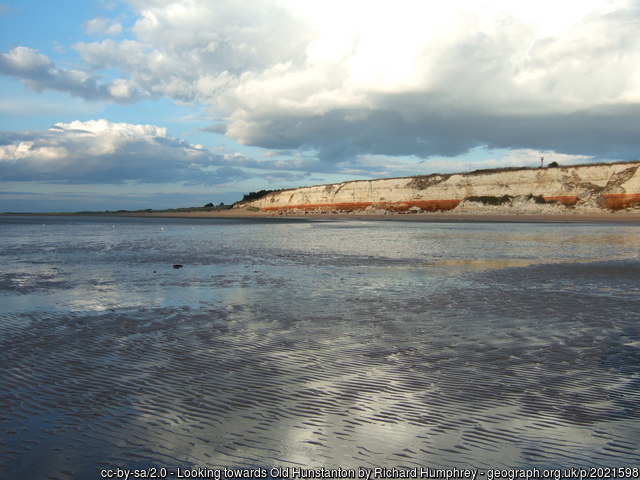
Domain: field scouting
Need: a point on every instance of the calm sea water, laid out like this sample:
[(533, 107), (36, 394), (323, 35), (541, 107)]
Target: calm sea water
[(316, 343)]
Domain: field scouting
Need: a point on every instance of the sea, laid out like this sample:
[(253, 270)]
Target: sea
[(186, 348)]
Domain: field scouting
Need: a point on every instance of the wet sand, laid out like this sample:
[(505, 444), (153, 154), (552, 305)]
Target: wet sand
[(304, 343), (626, 217)]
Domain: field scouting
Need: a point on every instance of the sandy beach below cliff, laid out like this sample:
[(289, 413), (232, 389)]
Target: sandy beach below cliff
[(568, 216)]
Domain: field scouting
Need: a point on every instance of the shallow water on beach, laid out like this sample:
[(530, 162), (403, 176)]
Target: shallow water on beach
[(316, 343)]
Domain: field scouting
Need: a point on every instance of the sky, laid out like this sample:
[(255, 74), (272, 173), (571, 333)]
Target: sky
[(132, 104)]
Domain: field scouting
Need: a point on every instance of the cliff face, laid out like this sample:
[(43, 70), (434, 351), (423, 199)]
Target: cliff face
[(611, 186)]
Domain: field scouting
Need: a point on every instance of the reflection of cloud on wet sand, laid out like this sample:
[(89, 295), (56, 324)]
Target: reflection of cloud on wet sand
[(313, 396), (335, 352)]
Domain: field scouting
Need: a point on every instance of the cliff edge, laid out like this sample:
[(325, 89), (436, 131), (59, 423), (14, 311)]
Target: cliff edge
[(595, 187)]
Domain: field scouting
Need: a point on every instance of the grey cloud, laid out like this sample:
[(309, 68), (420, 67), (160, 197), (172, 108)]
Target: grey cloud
[(98, 151), (39, 73), (308, 164), (102, 152), (216, 128), (223, 175), (604, 133), (424, 131), (337, 137), (276, 177)]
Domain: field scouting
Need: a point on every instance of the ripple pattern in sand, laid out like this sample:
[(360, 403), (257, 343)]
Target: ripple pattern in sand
[(243, 385), (345, 361)]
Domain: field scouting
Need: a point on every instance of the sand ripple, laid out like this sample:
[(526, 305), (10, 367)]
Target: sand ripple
[(344, 361)]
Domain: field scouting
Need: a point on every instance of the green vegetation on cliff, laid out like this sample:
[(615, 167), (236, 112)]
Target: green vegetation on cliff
[(248, 197)]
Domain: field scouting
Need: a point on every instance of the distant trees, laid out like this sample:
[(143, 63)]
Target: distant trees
[(248, 197), (220, 206)]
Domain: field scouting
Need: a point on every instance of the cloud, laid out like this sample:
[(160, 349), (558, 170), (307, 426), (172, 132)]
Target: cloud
[(377, 166), (497, 80), (103, 26), (39, 73), (102, 152), (406, 78), (99, 151), (402, 78)]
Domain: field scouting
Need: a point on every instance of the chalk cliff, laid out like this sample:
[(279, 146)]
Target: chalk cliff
[(614, 186)]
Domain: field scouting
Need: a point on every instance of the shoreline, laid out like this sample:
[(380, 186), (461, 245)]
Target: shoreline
[(568, 217), (468, 217)]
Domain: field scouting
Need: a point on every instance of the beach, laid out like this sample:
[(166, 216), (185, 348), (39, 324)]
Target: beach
[(288, 342), (506, 216)]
